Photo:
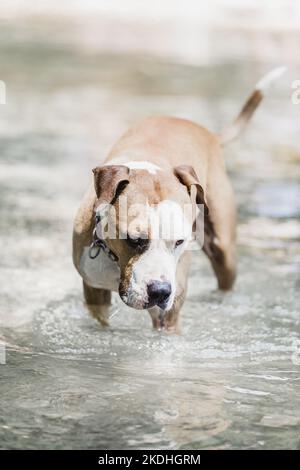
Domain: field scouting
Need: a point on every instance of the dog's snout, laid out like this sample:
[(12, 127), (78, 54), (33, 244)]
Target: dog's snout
[(159, 292)]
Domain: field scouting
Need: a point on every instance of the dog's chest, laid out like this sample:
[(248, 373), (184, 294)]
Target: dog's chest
[(100, 272)]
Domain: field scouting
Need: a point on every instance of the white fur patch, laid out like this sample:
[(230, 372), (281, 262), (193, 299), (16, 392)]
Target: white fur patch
[(143, 165), (168, 224), (157, 263), (101, 272), (169, 221), (269, 78)]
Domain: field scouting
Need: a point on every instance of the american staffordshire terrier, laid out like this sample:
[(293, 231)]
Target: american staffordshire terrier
[(159, 167)]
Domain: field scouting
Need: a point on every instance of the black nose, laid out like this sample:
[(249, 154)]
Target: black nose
[(159, 292)]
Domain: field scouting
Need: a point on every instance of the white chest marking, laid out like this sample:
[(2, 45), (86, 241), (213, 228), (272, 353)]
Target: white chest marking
[(143, 165), (100, 272)]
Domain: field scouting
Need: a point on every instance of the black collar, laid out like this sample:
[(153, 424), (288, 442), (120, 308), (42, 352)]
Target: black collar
[(98, 244)]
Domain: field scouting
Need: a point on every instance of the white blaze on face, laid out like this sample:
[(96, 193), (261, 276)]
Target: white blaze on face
[(169, 221), (159, 262), (143, 165)]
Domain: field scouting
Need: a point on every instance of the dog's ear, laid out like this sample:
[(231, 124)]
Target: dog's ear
[(187, 176), (109, 180)]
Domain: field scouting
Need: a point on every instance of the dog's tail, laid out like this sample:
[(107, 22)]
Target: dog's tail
[(231, 132)]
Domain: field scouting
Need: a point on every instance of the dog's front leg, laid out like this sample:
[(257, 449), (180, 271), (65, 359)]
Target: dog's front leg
[(171, 318), (98, 302), (157, 317)]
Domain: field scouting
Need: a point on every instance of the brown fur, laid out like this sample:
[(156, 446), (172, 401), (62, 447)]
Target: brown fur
[(98, 302), (188, 156), (167, 142), (235, 129)]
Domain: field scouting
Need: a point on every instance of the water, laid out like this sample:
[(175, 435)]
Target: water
[(231, 379)]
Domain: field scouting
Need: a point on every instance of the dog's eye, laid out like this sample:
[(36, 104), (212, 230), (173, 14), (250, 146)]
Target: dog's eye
[(179, 242)]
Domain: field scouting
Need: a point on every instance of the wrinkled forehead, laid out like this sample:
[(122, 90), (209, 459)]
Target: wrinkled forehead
[(153, 206), (166, 220)]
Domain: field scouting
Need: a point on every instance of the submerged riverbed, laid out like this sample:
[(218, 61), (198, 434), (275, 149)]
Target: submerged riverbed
[(232, 378)]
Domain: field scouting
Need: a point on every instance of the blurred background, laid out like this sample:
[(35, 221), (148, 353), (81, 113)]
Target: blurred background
[(77, 74)]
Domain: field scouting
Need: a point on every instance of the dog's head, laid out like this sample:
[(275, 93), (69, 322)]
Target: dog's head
[(146, 219)]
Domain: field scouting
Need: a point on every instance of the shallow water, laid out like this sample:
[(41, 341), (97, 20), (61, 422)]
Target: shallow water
[(232, 378)]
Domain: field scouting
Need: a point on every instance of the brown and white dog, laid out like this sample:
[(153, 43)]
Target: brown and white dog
[(156, 165)]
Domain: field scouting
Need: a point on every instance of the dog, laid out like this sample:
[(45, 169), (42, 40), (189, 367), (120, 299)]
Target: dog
[(161, 165)]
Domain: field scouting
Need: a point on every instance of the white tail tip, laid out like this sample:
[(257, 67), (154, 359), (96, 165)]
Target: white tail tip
[(269, 78)]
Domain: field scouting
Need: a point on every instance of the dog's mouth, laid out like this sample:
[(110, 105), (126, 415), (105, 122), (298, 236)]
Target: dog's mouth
[(133, 301), (136, 301), (162, 305), (148, 292)]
